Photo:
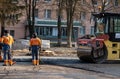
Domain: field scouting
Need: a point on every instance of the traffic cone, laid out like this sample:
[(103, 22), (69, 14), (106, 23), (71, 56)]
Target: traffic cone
[(11, 62), (0, 58), (5, 63)]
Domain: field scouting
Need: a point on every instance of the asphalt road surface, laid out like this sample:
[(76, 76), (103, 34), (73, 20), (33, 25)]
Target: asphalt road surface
[(108, 67), (27, 71), (60, 68)]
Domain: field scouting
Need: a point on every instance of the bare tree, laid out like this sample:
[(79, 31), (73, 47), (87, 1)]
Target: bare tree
[(30, 12), (59, 22), (75, 7), (69, 6), (70, 10), (10, 12), (60, 8), (102, 6)]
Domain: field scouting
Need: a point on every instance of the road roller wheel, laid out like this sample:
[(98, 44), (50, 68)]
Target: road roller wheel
[(99, 55), (86, 58)]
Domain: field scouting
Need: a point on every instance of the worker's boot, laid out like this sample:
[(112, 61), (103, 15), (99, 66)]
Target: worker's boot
[(0, 58), (34, 62), (11, 62), (5, 63), (37, 62)]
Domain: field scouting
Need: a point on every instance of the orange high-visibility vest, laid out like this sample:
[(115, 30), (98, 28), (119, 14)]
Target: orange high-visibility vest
[(35, 41), (1, 40), (8, 40), (11, 39)]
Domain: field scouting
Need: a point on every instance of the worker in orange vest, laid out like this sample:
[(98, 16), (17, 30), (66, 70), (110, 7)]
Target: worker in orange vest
[(7, 43), (1, 44), (35, 45)]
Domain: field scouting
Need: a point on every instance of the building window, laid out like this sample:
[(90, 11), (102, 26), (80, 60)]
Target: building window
[(49, 31), (75, 33), (116, 2), (47, 0), (94, 2), (115, 25), (64, 31), (83, 1), (55, 32), (92, 30), (14, 1), (47, 14), (82, 30), (37, 30), (57, 14), (41, 31), (12, 32), (108, 1), (92, 18), (36, 13), (83, 16), (36, 0)]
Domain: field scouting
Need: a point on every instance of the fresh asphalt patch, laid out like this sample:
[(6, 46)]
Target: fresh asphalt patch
[(109, 67)]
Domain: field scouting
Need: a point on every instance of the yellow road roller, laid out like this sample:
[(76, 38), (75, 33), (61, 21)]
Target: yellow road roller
[(105, 43)]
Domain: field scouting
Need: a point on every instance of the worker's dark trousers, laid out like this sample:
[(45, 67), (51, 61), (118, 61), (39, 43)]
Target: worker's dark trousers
[(35, 52), (1, 51), (7, 53)]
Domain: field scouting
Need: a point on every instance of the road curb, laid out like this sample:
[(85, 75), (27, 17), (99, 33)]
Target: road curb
[(29, 58)]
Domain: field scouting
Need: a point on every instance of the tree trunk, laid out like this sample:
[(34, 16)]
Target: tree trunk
[(69, 44), (59, 31), (2, 25), (69, 23), (25, 31), (59, 24), (33, 16), (27, 13), (69, 31), (29, 19), (2, 29)]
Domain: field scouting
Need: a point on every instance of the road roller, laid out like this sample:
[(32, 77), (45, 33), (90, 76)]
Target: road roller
[(105, 43)]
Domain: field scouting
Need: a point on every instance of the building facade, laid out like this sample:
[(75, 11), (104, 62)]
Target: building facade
[(46, 14), (46, 20)]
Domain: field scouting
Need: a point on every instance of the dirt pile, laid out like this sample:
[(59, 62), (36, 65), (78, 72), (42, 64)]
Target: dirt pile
[(54, 51)]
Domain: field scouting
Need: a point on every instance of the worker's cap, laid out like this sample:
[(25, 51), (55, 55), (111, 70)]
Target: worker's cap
[(34, 35)]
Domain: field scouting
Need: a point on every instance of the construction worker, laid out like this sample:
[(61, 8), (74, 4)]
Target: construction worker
[(101, 27), (7, 43), (35, 45), (1, 43)]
